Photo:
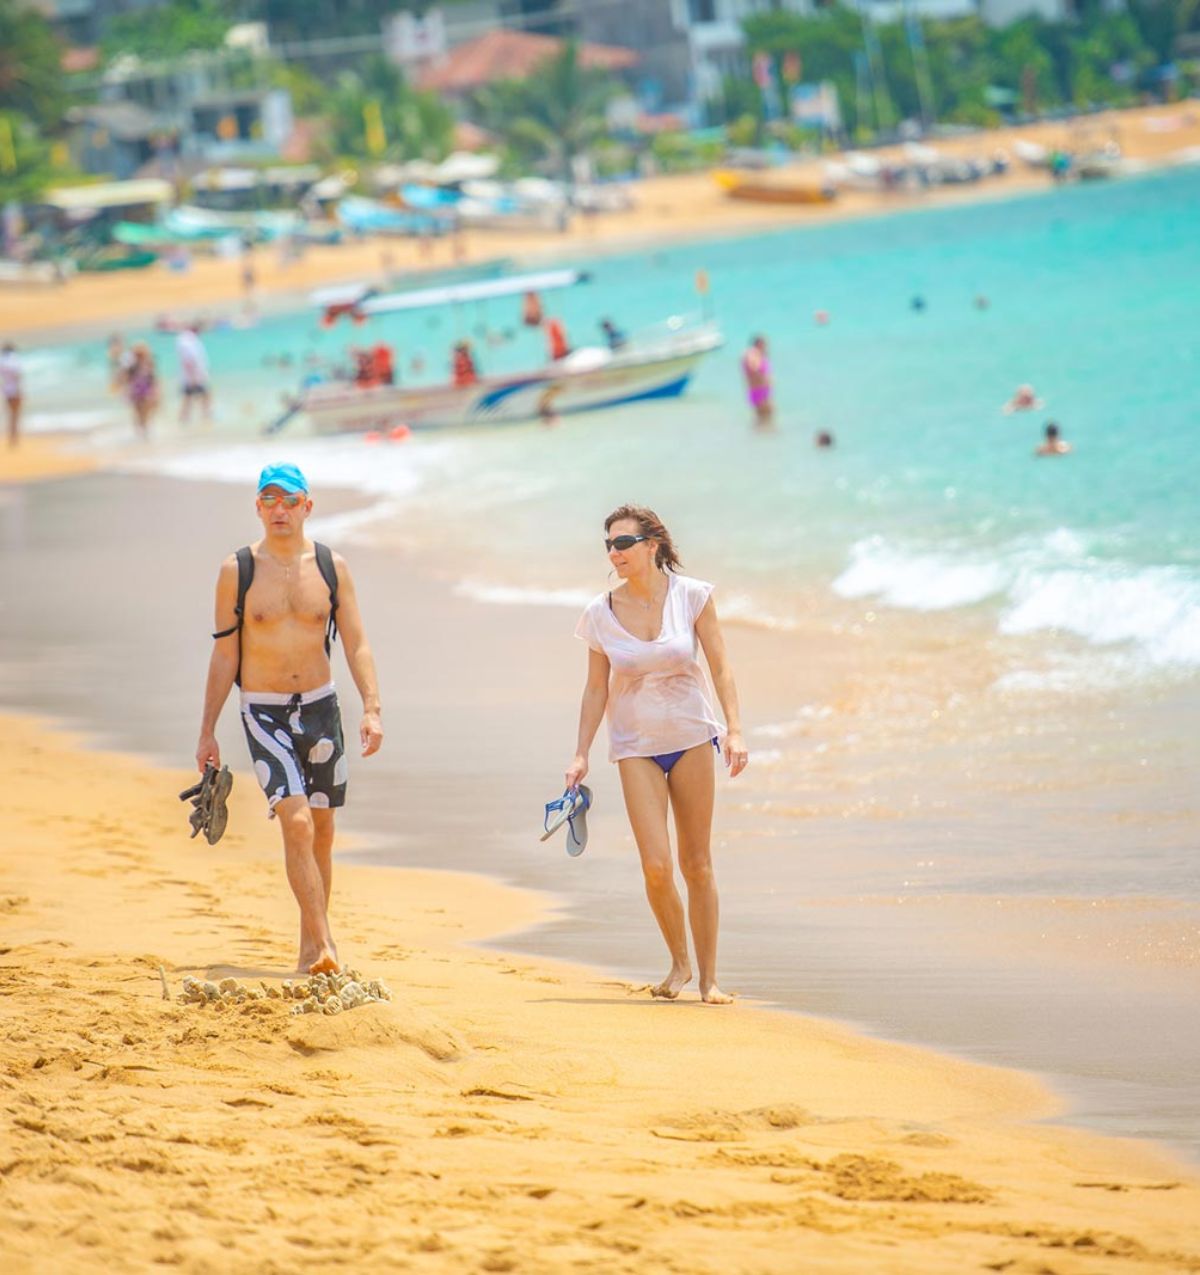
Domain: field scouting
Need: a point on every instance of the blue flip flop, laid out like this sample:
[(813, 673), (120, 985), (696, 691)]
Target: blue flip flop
[(571, 808), (577, 823)]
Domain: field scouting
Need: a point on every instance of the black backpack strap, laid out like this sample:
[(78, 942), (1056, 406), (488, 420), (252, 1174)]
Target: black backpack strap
[(245, 561), (329, 572)]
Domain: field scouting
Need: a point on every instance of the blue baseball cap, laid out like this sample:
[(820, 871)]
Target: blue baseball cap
[(286, 476)]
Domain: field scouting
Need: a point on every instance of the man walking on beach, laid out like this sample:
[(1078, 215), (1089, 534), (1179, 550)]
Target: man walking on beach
[(272, 638), (193, 372)]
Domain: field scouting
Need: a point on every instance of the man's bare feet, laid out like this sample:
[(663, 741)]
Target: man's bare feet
[(326, 963), (674, 983), (714, 996)]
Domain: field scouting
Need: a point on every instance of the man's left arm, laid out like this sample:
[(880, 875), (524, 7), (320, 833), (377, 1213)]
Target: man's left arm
[(360, 659)]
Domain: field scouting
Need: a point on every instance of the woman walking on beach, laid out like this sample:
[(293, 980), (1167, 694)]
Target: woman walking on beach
[(142, 387), (643, 640)]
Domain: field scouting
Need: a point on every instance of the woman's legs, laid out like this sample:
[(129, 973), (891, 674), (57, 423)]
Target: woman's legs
[(690, 784), (645, 789)]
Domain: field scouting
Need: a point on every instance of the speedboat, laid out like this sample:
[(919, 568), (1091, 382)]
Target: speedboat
[(655, 364)]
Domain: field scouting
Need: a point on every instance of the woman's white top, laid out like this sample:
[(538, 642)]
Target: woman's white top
[(657, 694)]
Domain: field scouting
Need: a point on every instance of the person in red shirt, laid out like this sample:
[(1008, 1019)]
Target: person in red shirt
[(556, 339), (464, 370), (383, 365)]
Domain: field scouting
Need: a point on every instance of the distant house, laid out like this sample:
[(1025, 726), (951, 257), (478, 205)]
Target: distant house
[(116, 138), (510, 55), (254, 123)]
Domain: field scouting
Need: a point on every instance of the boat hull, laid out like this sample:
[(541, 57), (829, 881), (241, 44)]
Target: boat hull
[(762, 191), (557, 390)]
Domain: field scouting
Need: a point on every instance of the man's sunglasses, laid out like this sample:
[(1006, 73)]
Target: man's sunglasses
[(269, 499), (623, 542)]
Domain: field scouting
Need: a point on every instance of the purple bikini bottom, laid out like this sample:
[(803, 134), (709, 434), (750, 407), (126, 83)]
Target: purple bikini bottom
[(667, 760)]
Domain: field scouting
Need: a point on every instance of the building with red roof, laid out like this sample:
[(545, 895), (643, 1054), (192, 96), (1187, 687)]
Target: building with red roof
[(505, 54)]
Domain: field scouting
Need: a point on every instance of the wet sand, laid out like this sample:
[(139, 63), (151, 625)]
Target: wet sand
[(882, 890), (667, 208), (45, 456)]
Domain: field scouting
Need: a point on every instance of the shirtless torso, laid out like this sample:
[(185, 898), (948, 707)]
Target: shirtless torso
[(283, 629)]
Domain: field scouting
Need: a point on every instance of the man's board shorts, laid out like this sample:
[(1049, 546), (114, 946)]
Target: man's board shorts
[(296, 745)]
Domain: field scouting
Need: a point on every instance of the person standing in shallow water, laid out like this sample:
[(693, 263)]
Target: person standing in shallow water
[(289, 707), (643, 640), (756, 368), (11, 389)]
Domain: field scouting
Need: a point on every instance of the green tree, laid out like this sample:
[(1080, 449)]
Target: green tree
[(30, 74), (25, 163), (1043, 63), (827, 44), (170, 30), (415, 125), (294, 20), (555, 114)]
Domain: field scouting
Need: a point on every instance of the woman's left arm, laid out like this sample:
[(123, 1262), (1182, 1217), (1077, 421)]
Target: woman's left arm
[(708, 630)]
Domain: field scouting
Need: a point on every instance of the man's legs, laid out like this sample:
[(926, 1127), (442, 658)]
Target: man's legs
[(310, 884)]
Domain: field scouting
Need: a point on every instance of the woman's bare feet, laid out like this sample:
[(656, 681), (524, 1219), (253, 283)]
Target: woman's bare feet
[(712, 995), (674, 983)]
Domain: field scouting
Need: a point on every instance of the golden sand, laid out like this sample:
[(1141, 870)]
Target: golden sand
[(668, 208), (499, 1114)]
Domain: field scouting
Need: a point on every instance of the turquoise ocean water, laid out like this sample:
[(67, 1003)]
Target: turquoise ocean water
[(930, 501)]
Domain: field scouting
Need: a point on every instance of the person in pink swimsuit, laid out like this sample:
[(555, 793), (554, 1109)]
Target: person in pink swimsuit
[(643, 640), (756, 368), (141, 385)]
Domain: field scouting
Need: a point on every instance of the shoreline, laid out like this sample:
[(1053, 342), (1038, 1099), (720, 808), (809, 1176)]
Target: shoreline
[(548, 1106), (849, 937), (684, 207)]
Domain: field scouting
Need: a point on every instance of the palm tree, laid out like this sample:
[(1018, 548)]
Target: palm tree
[(557, 113), (377, 105)]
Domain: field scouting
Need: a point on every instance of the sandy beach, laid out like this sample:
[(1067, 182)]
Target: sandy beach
[(521, 1104), (667, 208), (500, 1114)]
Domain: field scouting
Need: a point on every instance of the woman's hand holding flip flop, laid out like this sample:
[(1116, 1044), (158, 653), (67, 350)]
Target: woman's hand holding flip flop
[(735, 754), (576, 772)]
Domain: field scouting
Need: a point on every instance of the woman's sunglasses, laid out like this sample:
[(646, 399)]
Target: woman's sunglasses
[(623, 542), (272, 498)]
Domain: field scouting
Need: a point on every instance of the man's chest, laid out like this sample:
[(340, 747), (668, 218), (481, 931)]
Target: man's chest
[(278, 596)]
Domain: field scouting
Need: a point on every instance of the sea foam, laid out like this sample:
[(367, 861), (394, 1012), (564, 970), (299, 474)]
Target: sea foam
[(1052, 583)]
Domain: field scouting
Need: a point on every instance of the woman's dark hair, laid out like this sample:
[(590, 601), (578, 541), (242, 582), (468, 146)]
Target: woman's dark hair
[(666, 558)]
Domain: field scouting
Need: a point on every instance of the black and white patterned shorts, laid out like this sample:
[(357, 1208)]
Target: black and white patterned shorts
[(296, 746)]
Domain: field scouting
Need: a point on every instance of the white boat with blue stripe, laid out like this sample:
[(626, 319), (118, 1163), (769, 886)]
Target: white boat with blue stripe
[(655, 364)]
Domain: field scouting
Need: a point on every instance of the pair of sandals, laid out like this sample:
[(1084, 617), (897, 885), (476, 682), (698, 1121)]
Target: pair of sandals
[(208, 797), (571, 808)]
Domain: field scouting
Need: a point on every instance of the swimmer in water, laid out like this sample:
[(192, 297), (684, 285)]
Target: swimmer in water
[(1052, 444), (1024, 399)]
